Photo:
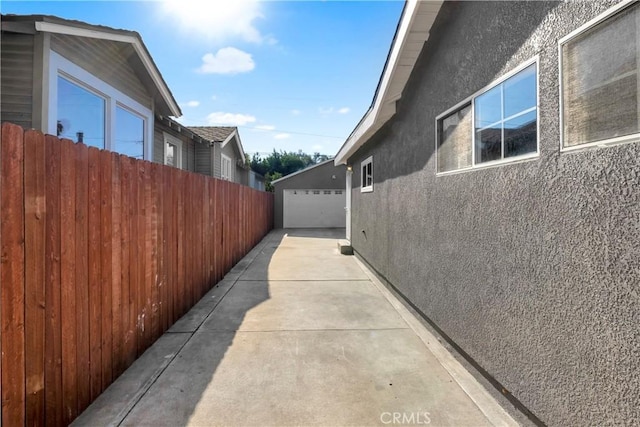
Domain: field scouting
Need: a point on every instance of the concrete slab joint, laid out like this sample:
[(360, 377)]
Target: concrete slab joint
[(299, 335)]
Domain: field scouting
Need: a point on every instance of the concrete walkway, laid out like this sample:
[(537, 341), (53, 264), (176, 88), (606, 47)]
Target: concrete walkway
[(297, 334)]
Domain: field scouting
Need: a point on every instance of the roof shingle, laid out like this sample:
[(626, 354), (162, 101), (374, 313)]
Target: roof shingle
[(213, 133)]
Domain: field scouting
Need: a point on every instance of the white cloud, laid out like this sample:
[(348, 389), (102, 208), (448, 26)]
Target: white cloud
[(217, 20), (227, 60), (265, 127), (282, 136), (220, 118), (191, 104), (296, 112), (331, 110)]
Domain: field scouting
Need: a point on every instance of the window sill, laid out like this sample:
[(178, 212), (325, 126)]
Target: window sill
[(366, 189), (627, 139), (494, 164)]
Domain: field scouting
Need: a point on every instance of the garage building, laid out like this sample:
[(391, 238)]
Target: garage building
[(314, 197)]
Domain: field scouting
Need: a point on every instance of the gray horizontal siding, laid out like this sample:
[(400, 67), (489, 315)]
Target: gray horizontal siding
[(16, 83), (203, 159), (188, 147), (107, 60)]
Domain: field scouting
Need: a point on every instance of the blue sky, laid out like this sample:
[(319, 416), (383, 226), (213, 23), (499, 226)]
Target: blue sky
[(294, 75)]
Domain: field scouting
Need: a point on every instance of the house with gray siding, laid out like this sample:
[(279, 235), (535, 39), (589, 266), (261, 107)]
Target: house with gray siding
[(224, 157), (99, 86), (88, 83), (494, 185)]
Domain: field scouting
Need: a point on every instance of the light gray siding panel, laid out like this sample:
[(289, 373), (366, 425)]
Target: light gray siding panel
[(16, 83), (107, 60), (203, 159), (188, 154), (530, 268), (158, 146), (217, 169), (188, 149)]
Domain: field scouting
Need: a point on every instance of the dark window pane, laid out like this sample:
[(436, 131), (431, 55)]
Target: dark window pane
[(489, 107), (600, 81), (454, 144), (81, 114), (520, 92), (129, 134), (520, 135), (488, 145)]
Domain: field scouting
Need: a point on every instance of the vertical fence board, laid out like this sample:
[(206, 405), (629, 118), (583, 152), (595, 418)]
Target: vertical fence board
[(152, 245), (68, 280), (12, 279), (83, 348), (53, 321), (116, 265), (101, 253), (126, 224), (94, 273), (34, 193), (106, 267)]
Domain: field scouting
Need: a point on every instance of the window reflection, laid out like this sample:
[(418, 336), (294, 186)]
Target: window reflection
[(506, 118), (81, 114), (129, 134), (170, 158)]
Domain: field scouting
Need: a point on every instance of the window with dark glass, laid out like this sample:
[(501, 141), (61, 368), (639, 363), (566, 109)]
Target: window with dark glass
[(367, 174), (600, 80)]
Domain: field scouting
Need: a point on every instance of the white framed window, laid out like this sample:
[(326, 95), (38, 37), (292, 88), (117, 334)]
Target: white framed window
[(600, 80), (366, 168), (496, 125), (172, 150), (85, 109), (226, 168)]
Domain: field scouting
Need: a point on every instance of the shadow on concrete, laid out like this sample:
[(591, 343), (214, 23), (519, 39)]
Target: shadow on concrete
[(165, 385)]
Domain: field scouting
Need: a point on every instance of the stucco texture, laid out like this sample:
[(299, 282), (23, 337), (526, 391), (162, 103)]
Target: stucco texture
[(325, 176), (531, 268)]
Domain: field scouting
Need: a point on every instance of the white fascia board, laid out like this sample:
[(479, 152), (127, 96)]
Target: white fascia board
[(234, 135), (50, 27), (402, 57)]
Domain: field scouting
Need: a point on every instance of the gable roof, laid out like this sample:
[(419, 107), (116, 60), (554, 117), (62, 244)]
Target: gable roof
[(412, 32), (220, 134), (302, 171), (53, 24)]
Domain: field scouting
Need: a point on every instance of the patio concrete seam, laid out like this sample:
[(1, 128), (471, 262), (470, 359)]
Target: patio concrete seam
[(152, 380), (486, 403), (251, 331)]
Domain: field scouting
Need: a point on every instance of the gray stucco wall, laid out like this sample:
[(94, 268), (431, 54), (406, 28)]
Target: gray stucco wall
[(320, 177), (531, 268)]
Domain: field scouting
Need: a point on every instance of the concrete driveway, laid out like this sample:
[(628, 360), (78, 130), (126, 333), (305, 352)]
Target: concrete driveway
[(297, 334)]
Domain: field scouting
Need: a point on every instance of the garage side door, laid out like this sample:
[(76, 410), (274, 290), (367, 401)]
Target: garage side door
[(313, 208)]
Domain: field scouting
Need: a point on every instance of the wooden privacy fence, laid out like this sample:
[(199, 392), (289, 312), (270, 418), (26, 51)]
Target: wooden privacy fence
[(100, 254)]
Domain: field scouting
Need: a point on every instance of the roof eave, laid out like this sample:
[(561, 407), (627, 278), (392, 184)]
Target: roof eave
[(134, 40), (413, 31)]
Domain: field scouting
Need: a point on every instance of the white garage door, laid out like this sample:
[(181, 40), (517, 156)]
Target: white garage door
[(313, 208)]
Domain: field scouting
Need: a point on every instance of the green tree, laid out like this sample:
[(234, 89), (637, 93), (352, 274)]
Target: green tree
[(282, 163)]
